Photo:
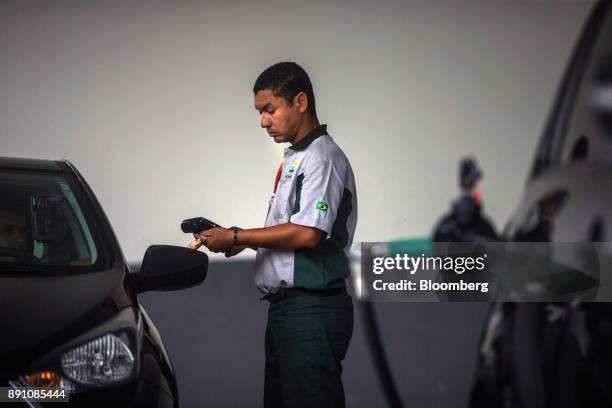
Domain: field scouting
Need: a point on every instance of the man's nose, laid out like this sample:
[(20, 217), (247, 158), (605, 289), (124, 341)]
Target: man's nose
[(264, 122)]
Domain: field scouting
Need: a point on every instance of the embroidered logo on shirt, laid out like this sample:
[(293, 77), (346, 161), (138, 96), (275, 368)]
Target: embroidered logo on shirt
[(322, 206), (291, 170)]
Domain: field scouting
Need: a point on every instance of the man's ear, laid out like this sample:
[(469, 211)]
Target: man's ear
[(301, 100)]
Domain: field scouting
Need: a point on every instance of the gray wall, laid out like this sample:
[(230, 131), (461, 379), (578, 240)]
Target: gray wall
[(152, 100)]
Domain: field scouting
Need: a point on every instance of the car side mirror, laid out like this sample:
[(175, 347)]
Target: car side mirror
[(166, 267)]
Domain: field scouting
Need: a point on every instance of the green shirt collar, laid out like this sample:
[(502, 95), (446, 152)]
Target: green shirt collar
[(309, 138)]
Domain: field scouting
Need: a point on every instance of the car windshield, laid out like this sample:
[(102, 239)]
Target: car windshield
[(43, 224)]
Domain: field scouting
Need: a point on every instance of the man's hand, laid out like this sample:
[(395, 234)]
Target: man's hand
[(217, 239), (236, 249)]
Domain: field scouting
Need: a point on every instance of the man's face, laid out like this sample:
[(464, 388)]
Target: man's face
[(280, 119), (13, 230)]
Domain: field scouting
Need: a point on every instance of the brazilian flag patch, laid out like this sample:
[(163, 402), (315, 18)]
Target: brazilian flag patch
[(322, 206)]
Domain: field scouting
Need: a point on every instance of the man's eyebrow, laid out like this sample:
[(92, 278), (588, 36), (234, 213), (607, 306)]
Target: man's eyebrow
[(265, 107)]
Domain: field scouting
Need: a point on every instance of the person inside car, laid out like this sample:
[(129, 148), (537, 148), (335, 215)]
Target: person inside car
[(14, 237)]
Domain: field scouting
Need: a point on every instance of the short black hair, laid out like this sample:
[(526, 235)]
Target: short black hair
[(285, 80)]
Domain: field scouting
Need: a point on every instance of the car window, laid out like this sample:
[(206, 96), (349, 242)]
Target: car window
[(568, 135), (588, 136), (43, 223)]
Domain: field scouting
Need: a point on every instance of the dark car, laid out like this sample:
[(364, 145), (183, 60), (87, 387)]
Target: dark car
[(560, 354), (70, 319)]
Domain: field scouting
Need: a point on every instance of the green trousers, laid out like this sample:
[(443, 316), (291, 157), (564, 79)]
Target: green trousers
[(306, 340)]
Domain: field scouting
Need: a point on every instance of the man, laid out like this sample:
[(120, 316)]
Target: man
[(301, 265), (13, 229), (14, 237)]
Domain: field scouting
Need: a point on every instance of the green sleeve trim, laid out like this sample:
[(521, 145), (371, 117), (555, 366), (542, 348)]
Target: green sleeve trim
[(326, 266)]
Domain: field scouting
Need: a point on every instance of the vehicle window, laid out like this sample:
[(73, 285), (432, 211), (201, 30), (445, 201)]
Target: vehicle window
[(43, 223), (588, 136), (572, 132)]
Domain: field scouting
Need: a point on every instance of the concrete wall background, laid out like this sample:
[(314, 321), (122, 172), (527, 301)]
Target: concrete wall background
[(152, 101)]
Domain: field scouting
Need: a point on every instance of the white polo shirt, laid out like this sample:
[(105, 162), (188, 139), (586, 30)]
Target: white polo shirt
[(316, 189)]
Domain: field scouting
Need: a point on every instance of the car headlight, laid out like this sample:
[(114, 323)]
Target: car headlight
[(104, 356), (102, 361)]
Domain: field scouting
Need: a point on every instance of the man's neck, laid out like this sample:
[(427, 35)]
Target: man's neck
[(306, 127)]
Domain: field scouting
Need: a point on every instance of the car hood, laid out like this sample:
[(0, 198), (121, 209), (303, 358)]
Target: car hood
[(39, 313)]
